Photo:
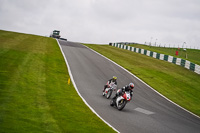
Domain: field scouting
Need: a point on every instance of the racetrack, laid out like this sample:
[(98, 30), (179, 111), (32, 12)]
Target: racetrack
[(147, 112)]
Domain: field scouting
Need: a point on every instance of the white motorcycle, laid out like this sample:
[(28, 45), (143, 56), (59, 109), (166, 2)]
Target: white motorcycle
[(108, 91), (121, 101)]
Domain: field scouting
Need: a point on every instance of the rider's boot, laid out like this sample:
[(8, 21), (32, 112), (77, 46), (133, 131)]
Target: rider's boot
[(104, 87), (114, 98), (104, 90)]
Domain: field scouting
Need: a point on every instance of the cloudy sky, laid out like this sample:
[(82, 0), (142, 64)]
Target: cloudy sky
[(164, 22)]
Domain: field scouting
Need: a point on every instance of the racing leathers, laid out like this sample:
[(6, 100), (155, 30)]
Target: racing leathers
[(111, 81), (122, 90)]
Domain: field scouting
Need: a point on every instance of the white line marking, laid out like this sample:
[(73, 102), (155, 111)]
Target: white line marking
[(147, 112), (146, 84), (72, 79)]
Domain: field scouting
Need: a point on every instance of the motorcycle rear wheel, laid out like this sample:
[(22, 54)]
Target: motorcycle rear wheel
[(112, 103)]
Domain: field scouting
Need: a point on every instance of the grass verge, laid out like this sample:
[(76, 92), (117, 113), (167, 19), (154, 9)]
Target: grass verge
[(175, 82), (34, 93)]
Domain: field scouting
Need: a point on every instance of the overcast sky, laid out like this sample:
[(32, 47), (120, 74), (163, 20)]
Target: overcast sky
[(166, 22)]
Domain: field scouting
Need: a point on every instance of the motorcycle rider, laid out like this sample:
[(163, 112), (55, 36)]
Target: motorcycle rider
[(123, 89), (111, 81)]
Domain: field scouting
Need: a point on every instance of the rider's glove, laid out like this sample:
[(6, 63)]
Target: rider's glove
[(131, 94), (123, 89)]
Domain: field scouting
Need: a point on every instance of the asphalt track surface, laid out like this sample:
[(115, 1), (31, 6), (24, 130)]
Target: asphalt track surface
[(147, 112)]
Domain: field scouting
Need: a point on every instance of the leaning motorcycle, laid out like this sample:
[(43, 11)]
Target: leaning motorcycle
[(108, 91), (121, 101)]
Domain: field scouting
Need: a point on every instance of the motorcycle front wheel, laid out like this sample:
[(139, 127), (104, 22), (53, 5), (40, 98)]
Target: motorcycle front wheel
[(121, 104), (109, 94)]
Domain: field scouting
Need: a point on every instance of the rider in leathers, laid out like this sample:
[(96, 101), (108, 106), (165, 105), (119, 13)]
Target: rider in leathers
[(123, 89), (113, 80)]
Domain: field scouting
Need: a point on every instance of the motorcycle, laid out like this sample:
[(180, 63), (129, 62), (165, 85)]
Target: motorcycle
[(108, 91), (121, 101)]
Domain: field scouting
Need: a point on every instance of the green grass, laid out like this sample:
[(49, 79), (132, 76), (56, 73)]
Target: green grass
[(34, 93), (175, 82), (193, 55)]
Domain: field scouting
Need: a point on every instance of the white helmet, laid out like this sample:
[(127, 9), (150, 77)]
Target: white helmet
[(131, 85)]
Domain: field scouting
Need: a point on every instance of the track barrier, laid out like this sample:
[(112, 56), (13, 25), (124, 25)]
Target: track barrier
[(178, 61)]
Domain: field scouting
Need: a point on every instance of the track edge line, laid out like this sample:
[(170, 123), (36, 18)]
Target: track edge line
[(72, 79), (145, 84)]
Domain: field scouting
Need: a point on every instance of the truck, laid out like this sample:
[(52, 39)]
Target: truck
[(55, 34)]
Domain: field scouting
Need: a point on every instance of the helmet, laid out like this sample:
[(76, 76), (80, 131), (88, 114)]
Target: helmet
[(131, 85), (114, 77)]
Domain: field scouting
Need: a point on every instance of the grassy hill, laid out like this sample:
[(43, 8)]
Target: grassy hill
[(175, 82), (35, 95), (34, 92)]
